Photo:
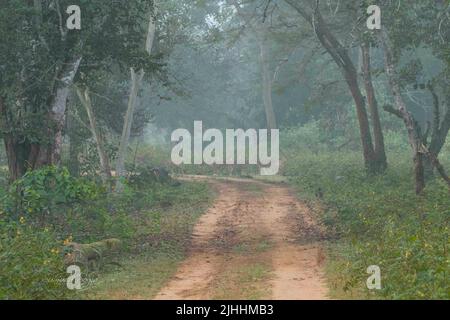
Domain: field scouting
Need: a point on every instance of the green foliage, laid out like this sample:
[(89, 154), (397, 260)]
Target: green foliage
[(379, 221), (40, 194), (38, 55), (96, 220), (34, 220), (46, 209), (163, 218), (31, 263), (90, 164), (314, 137)]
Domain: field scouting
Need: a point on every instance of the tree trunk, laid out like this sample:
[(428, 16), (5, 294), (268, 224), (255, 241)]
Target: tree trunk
[(267, 88), (74, 148), (105, 166), (364, 127), (438, 140), (136, 80), (379, 150), (51, 154), (419, 172), (20, 152), (416, 139), (267, 79), (345, 64), (439, 167), (414, 131), (16, 154), (439, 132), (25, 155)]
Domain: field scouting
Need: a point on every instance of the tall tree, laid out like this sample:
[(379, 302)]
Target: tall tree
[(379, 149), (136, 80), (105, 166), (399, 38), (40, 59), (373, 158), (260, 29)]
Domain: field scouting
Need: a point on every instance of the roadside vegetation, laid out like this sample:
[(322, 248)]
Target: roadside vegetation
[(47, 210), (90, 102), (375, 220)]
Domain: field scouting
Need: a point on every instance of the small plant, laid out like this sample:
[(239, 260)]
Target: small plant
[(41, 194)]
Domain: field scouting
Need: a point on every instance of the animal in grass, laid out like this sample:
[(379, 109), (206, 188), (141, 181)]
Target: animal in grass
[(90, 255)]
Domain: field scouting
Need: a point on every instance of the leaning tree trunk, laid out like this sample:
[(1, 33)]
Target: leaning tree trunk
[(439, 129), (379, 150), (413, 128), (105, 166), (340, 56), (348, 69), (51, 154), (364, 127), (136, 80)]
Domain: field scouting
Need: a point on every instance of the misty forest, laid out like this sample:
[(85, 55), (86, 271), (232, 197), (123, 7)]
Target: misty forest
[(340, 190)]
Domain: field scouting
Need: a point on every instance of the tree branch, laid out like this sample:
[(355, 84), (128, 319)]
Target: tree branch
[(436, 111), (391, 109), (61, 28)]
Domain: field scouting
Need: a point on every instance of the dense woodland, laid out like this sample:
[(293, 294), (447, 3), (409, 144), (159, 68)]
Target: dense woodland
[(86, 118)]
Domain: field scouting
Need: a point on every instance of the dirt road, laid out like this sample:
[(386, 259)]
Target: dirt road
[(257, 241)]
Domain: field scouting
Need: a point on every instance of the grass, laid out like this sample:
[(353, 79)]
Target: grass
[(138, 278), (163, 235), (245, 275), (243, 282), (153, 220), (272, 179), (254, 246), (371, 220), (378, 221)]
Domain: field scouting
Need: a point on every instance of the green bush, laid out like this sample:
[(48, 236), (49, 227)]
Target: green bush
[(48, 208), (31, 263), (43, 194), (378, 220), (42, 211)]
